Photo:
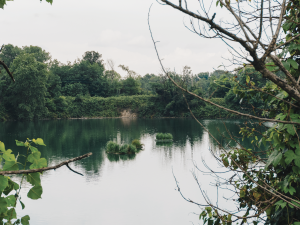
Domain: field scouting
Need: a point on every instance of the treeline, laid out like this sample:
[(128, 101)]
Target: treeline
[(88, 87)]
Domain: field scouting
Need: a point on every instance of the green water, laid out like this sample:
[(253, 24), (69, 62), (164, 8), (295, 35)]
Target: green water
[(119, 190)]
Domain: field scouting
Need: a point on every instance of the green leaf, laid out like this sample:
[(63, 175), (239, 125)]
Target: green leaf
[(296, 223), (35, 192), (34, 157), (40, 141), (11, 214), (20, 143), (3, 182), (9, 188), (247, 79), (282, 94), (11, 200), (16, 186), (281, 204), (289, 156), (25, 220), (22, 204), (293, 63), (277, 159), (3, 205), (34, 179), (286, 65), (8, 156), (33, 149), (10, 166), (242, 193), (296, 203), (39, 164), (2, 147), (272, 158), (290, 129), (291, 190)]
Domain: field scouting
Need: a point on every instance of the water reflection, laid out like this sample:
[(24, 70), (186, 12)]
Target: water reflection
[(136, 187), (71, 138)]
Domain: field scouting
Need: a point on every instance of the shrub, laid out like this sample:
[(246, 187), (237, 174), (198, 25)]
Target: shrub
[(112, 147), (124, 148), (132, 148), (161, 136), (137, 144), (168, 136)]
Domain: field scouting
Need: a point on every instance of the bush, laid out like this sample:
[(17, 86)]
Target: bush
[(132, 148), (124, 148), (112, 147), (137, 144), (162, 136)]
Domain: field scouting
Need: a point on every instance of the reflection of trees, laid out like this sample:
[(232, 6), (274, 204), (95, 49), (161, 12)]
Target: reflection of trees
[(71, 138), (220, 128)]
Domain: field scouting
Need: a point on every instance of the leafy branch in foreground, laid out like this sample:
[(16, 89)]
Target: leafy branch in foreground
[(30, 158)]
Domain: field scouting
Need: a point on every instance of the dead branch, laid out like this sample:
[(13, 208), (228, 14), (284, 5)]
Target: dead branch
[(46, 168)]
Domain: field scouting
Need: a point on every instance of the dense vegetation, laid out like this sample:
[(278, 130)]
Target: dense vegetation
[(164, 136), (46, 88), (114, 148)]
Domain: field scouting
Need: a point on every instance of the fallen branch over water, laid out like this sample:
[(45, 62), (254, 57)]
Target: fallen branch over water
[(46, 168)]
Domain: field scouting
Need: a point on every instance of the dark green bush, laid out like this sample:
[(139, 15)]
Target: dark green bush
[(137, 143), (132, 148), (163, 136), (112, 147)]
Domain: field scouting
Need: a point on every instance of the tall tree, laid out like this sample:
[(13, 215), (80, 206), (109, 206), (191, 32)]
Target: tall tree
[(26, 97)]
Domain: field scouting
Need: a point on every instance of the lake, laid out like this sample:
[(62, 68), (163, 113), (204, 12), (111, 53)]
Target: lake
[(120, 190)]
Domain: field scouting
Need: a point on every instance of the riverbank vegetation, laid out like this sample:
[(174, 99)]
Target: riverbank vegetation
[(89, 87)]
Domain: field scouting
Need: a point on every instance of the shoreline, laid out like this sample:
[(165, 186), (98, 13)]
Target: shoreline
[(120, 117)]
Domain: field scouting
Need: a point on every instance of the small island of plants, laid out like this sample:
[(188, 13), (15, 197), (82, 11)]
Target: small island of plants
[(114, 148), (161, 137)]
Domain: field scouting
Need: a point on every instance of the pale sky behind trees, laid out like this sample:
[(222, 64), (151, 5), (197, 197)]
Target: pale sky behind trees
[(117, 29)]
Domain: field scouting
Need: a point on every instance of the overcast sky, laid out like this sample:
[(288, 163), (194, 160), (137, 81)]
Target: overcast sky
[(117, 29)]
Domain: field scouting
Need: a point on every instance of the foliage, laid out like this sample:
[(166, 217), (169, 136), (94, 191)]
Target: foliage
[(30, 158), (30, 76), (137, 143), (114, 148), (164, 136)]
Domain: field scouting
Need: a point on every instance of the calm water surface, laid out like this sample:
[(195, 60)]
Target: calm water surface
[(120, 191)]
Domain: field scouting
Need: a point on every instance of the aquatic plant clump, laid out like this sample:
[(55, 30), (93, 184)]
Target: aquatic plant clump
[(112, 147), (132, 148), (137, 143), (164, 136)]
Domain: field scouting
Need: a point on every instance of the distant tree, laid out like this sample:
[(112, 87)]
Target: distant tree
[(40, 54), (93, 57), (26, 97), (130, 86)]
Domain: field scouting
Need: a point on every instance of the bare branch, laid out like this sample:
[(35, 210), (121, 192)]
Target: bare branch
[(46, 168)]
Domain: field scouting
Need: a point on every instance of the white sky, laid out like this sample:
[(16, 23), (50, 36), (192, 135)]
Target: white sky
[(117, 29)]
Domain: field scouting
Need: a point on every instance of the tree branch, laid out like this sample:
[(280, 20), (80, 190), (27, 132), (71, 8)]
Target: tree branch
[(7, 70), (46, 168)]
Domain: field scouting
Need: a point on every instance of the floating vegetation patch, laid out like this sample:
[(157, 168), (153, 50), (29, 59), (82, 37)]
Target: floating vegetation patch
[(125, 149), (164, 137)]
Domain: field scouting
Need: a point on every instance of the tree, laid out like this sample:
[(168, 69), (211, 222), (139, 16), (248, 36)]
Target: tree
[(30, 74), (267, 194), (27, 95)]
